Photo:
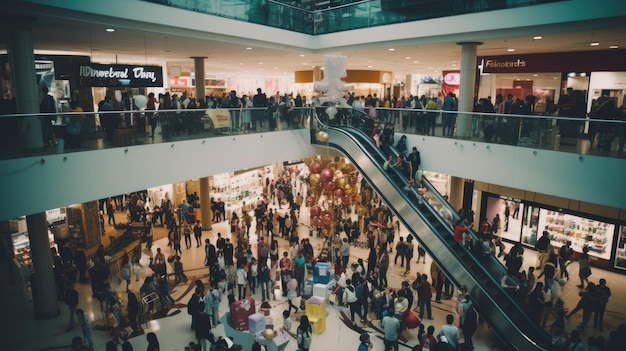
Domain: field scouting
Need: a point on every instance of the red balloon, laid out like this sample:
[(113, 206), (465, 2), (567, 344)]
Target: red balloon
[(310, 201), (327, 218), (315, 211), (317, 221), (339, 192), (345, 199), (327, 175), (329, 187), (315, 167), (353, 180)]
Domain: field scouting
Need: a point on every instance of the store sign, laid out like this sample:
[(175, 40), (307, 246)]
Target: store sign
[(179, 82), (98, 75)]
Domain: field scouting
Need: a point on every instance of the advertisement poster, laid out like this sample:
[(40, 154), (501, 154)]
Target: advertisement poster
[(219, 117), (451, 83)]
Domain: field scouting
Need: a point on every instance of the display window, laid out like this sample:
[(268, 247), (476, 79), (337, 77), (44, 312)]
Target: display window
[(620, 249), (597, 235), (530, 221), (508, 216)]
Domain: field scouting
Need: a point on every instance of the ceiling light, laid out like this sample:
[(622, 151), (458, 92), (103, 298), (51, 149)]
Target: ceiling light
[(594, 44), (583, 74), (392, 49), (301, 55), (613, 47), (408, 57), (571, 74), (110, 30), (370, 66), (415, 61), (248, 48), (510, 50), (538, 37), (535, 75), (454, 65)]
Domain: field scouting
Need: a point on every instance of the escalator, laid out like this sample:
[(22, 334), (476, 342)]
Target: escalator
[(480, 277)]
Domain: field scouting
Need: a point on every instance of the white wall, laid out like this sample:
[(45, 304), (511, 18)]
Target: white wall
[(27, 186)]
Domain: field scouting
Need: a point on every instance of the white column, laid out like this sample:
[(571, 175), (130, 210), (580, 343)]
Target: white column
[(466, 92)]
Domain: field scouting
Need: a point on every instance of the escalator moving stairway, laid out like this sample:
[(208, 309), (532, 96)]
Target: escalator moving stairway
[(504, 315)]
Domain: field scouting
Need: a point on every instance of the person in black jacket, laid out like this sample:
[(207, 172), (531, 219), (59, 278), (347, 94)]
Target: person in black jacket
[(203, 326)]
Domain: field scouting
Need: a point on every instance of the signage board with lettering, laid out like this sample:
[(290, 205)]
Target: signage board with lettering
[(99, 75)]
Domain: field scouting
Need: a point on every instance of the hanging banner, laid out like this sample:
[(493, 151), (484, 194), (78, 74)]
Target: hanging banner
[(450, 83), (98, 75)]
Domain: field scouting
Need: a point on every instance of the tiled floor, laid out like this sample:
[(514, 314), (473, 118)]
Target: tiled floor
[(174, 332)]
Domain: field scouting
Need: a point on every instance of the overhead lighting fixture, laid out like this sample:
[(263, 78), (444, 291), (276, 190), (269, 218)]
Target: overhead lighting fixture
[(370, 66), (613, 47), (392, 49), (301, 55), (260, 62), (110, 30), (248, 48), (594, 44), (571, 74), (538, 37), (416, 62), (535, 75), (408, 57), (583, 74), (510, 50)]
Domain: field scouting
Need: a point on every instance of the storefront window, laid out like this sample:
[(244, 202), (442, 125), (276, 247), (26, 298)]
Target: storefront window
[(530, 220), (620, 249), (598, 236), (507, 214)]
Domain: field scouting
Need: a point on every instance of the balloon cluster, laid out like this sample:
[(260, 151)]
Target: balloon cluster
[(335, 182), (322, 136), (331, 85)]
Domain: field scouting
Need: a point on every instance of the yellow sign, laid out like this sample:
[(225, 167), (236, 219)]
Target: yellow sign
[(220, 117)]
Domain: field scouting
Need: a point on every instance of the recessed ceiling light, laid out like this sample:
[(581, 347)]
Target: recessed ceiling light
[(392, 49), (535, 75), (408, 57), (613, 47), (248, 48), (538, 37), (260, 62), (571, 74), (370, 66), (510, 50), (415, 61), (594, 44), (583, 74), (454, 64), (110, 30), (301, 55)]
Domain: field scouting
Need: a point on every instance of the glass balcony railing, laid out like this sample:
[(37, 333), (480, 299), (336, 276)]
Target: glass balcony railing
[(575, 135), (83, 131), (330, 16)]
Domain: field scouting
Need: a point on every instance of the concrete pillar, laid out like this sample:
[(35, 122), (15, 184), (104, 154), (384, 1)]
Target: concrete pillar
[(22, 60), (206, 215), (43, 285), (456, 192), (408, 82), (466, 91), (198, 66)]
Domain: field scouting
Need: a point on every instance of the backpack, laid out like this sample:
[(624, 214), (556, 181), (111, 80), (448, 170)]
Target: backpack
[(304, 338), (192, 305)]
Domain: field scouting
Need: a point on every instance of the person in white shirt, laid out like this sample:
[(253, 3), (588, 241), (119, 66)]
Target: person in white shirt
[(242, 280)]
